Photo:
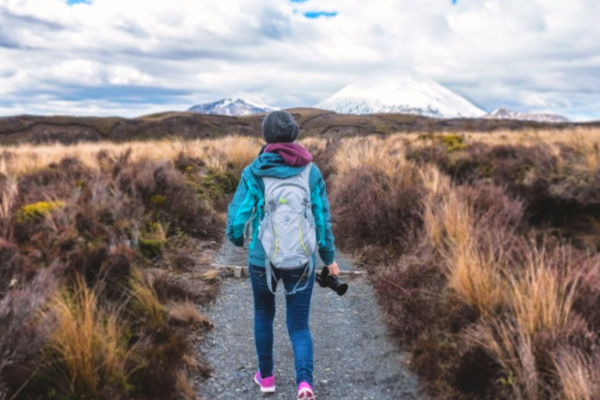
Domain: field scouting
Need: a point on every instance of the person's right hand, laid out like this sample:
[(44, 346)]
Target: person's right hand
[(334, 269)]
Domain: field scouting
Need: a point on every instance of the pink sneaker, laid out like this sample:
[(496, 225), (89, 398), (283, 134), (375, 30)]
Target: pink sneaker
[(305, 391), (267, 385)]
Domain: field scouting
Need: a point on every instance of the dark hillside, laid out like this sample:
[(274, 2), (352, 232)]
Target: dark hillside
[(313, 122)]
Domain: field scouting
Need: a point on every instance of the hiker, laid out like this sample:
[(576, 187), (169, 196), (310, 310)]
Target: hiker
[(282, 197)]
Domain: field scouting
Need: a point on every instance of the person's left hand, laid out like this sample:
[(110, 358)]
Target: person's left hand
[(334, 269)]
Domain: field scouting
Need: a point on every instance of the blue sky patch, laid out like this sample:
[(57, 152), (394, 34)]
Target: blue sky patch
[(125, 94), (319, 14), (73, 2), (298, 1)]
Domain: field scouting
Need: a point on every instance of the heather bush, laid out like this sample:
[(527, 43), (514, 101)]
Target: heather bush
[(372, 211), (482, 251), (115, 330), (554, 182), (22, 334), (490, 302)]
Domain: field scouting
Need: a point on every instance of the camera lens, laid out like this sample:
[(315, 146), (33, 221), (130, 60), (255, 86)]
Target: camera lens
[(341, 289)]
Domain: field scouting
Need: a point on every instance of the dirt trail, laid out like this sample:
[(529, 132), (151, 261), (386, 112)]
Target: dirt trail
[(354, 358)]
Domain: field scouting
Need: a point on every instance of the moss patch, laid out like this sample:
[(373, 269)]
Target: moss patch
[(151, 247), (217, 184)]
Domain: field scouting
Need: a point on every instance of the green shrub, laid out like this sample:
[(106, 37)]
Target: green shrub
[(158, 200), (31, 212), (151, 247), (453, 142), (217, 184)]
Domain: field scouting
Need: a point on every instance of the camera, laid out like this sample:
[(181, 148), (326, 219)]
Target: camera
[(331, 281)]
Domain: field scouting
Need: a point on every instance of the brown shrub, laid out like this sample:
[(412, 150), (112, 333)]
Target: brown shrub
[(415, 284), (12, 266), (181, 208), (58, 181), (492, 206), (187, 314), (93, 240), (372, 212), (588, 296), (160, 358), (22, 334), (172, 288)]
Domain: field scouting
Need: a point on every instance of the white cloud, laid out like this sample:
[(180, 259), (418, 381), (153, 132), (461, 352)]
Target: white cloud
[(534, 55)]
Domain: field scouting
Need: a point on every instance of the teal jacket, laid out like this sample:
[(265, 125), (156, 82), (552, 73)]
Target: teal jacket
[(248, 201)]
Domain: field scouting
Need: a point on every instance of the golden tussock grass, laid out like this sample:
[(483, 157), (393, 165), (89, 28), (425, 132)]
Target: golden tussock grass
[(512, 349), (387, 155), (146, 305), (516, 299), (578, 375), (314, 143), (473, 275), (539, 297), (216, 153), (88, 346), (476, 279), (579, 136), (8, 196)]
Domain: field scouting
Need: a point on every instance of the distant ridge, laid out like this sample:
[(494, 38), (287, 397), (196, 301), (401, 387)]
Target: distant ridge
[(188, 125), (409, 94), (237, 107), (502, 113)]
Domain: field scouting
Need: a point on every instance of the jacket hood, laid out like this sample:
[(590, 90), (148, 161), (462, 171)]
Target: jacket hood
[(293, 154), (273, 165)]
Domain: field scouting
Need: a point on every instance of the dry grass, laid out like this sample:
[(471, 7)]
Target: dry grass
[(186, 313), (8, 196), (475, 278), (216, 153), (507, 288), (577, 136), (512, 349), (146, 304), (314, 143), (462, 253), (540, 298), (474, 275), (124, 209), (386, 155), (578, 374), (88, 347)]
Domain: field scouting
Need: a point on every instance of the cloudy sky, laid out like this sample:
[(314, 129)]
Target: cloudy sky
[(134, 57)]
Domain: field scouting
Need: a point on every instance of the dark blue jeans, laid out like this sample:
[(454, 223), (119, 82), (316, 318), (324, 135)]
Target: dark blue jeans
[(297, 307)]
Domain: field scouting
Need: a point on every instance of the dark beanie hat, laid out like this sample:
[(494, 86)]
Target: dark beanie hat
[(279, 127)]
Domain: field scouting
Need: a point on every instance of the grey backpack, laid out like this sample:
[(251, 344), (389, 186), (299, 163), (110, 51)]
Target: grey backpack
[(287, 231)]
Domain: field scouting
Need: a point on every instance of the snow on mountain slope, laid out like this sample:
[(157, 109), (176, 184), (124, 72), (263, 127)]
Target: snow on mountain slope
[(502, 113), (232, 107), (410, 94)]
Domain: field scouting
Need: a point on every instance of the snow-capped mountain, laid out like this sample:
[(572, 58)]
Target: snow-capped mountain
[(409, 94), (502, 113), (233, 107)]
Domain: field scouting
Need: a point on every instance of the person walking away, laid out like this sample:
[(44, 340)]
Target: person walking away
[(282, 197)]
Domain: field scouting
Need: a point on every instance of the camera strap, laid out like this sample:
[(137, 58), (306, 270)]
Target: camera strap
[(307, 271)]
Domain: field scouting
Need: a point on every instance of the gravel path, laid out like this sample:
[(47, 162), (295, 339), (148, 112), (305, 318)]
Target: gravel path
[(354, 358)]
